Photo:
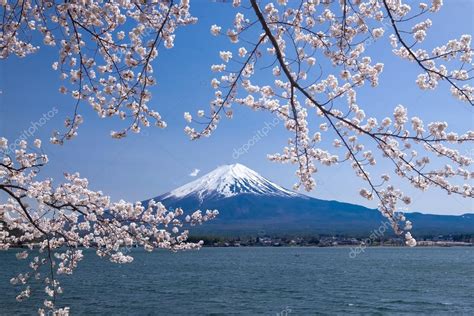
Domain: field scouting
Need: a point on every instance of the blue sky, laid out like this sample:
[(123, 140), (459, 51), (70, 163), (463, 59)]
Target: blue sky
[(155, 161)]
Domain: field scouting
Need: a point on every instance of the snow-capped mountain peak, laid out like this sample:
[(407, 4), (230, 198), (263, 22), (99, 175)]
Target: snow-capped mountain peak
[(227, 181)]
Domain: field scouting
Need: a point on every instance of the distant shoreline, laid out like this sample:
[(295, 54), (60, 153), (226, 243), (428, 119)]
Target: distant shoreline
[(306, 246)]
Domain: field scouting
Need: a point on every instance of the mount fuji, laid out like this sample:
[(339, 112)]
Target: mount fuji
[(227, 181), (249, 203)]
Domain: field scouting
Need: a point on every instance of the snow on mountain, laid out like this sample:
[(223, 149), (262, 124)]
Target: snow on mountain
[(227, 181)]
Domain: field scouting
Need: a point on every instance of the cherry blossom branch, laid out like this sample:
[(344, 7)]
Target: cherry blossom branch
[(95, 60), (466, 95), (58, 221), (299, 33)]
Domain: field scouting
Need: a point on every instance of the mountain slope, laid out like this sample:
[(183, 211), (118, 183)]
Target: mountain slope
[(248, 203)]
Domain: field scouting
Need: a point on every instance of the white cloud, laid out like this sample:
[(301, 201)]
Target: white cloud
[(194, 173)]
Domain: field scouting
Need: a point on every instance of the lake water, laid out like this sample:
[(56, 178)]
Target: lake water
[(264, 281)]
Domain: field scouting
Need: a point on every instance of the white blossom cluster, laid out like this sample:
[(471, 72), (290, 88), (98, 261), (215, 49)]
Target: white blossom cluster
[(55, 224), (434, 65), (435, 71), (106, 50), (291, 41)]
